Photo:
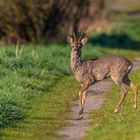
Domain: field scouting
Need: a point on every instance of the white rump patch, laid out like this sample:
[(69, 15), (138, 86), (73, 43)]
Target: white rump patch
[(129, 68)]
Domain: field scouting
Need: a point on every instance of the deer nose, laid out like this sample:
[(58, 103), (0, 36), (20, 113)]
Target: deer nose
[(76, 51)]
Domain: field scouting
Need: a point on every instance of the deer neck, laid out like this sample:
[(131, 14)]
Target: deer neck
[(76, 61)]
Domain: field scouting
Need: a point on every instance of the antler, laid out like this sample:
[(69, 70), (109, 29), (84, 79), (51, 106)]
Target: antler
[(81, 36), (74, 36)]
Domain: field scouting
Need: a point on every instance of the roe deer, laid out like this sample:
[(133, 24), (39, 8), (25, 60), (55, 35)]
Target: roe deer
[(88, 72)]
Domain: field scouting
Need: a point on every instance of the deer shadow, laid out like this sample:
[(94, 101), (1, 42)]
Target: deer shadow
[(120, 41)]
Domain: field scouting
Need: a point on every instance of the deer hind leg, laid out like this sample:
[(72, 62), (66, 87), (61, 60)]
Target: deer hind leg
[(123, 94), (134, 88)]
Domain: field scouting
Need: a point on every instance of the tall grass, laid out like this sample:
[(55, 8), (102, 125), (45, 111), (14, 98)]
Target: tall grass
[(25, 76)]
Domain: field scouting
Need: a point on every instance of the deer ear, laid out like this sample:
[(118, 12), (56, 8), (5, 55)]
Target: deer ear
[(84, 40), (69, 39)]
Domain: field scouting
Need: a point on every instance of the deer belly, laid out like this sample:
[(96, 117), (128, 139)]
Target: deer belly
[(100, 77), (100, 74)]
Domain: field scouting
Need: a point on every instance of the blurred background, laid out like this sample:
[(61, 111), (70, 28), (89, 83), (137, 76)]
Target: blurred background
[(37, 86), (50, 20)]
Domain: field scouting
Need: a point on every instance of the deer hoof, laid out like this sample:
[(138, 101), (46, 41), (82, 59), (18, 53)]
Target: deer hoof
[(135, 106), (116, 110), (80, 117), (81, 112)]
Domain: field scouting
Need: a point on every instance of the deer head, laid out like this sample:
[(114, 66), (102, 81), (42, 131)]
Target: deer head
[(77, 41)]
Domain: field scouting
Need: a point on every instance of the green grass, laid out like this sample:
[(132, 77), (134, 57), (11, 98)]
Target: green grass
[(47, 113), (32, 94), (124, 125), (36, 92)]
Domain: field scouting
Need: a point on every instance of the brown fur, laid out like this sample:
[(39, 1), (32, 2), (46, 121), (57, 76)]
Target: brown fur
[(88, 72)]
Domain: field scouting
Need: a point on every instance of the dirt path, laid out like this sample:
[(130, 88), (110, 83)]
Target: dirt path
[(95, 98)]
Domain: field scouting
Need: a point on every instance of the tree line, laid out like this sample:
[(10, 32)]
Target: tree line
[(46, 20)]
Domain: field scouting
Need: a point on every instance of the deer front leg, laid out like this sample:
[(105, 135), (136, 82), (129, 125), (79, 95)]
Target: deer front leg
[(82, 102), (82, 97)]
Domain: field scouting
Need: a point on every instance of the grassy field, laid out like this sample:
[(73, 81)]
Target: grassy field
[(37, 92), (37, 86), (124, 125)]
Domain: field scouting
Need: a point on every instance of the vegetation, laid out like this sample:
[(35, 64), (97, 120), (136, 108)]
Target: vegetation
[(37, 89), (43, 20)]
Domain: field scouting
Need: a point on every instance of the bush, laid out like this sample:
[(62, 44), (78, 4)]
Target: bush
[(36, 20)]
